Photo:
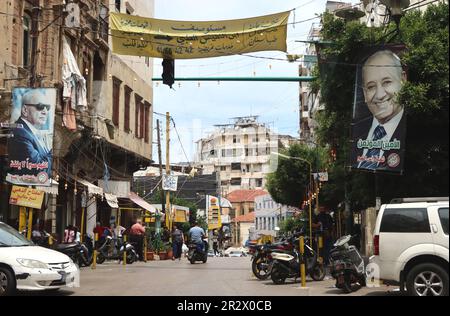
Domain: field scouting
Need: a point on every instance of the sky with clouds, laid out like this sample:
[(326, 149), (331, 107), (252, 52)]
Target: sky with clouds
[(196, 107)]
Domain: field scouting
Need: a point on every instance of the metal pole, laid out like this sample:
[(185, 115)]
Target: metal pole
[(82, 224), (94, 261), (302, 263), (168, 210), (30, 223), (310, 208), (158, 220), (124, 250)]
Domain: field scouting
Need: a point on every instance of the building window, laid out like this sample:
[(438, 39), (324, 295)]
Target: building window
[(126, 123), (223, 168), (147, 107), (137, 109), (234, 152), (235, 181), (116, 100), (26, 40), (246, 152), (236, 166), (223, 139), (118, 5), (223, 153), (234, 139)]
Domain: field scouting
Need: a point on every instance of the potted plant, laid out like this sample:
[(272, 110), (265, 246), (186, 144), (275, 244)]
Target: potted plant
[(169, 250), (158, 247)]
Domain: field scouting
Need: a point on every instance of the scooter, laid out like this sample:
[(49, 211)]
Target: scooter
[(194, 254), (261, 261), (80, 253), (110, 250), (287, 265), (347, 265)]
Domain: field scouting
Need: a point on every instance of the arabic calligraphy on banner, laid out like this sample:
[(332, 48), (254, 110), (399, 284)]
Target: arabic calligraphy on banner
[(26, 197), (140, 36)]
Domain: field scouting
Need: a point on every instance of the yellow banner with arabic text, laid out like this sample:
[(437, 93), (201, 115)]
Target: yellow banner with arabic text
[(140, 36), (23, 196)]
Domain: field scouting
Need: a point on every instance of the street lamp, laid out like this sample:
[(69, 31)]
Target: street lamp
[(396, 7), (310, 172)]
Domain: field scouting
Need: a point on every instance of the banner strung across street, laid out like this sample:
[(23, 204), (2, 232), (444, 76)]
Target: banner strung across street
[(379, 120), (30, 147), (140, 36)]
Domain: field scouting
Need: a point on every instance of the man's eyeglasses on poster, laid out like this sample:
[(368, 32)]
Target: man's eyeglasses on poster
[(39, 106)]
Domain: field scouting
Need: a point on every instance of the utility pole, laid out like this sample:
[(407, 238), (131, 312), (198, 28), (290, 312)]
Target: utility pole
[(35, 13), (168, 210), (158, 223)]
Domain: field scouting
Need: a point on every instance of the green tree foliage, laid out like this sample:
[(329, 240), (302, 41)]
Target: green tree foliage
[(289, 183), (425, 97)]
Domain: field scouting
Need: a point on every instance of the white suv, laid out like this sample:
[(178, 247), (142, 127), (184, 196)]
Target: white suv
[(411, 245)]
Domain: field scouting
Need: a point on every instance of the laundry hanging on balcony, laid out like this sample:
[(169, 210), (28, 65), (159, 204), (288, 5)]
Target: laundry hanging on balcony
[(73, 81)]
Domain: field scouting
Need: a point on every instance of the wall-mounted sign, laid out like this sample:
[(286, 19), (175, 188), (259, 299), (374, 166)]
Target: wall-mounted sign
[(22, 196), (170, 183)]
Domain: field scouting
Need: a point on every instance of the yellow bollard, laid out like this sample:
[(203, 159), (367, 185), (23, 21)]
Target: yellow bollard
[(124, 250), (30, 223), (94, 259), (302, 263), (319, 247)]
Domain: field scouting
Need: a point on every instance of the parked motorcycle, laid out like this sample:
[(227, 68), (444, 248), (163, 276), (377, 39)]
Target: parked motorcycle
[(261, 261), (347, 265), (80, 253), (196, 255), (113, 249), (287, 265)]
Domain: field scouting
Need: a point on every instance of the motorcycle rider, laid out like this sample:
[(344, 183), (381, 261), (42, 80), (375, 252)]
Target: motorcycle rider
[(196, 235)]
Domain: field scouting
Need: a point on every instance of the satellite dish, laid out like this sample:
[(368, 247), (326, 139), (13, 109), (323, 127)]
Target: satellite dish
[(349, 13)]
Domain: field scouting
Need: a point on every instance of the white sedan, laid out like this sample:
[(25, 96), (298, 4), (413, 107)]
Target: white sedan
[(25, 266)]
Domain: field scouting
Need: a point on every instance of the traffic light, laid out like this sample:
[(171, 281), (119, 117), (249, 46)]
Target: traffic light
[(168, 74)]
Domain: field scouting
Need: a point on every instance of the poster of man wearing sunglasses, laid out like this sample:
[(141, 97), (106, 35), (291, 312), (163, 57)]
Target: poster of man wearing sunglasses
[(30, 147)]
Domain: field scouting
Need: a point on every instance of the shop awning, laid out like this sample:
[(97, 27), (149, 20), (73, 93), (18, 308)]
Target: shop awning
[(139, 201), (111, 199), (52, 189), (92, 188)]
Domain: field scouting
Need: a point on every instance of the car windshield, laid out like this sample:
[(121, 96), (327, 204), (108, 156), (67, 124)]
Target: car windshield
[(9, 237)]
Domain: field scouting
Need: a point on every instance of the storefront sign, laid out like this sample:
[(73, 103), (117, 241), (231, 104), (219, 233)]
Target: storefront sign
[(22, 196)]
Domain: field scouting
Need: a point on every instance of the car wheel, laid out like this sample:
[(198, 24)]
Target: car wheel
[(427, 279), (7, 282)]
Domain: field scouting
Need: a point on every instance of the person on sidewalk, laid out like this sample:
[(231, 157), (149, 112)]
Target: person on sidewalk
[(177, 242), (137, 233)]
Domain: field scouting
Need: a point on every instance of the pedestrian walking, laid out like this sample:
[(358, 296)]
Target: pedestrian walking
[(177, 242)]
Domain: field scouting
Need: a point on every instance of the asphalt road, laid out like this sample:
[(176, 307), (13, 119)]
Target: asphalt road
[(218, 277)]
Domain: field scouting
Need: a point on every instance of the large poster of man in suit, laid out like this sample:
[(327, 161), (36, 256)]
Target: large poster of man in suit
[(30, 147), (379, 120)]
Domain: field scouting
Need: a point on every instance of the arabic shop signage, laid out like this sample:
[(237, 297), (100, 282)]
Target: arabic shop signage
[(140, 36), (26, 197)]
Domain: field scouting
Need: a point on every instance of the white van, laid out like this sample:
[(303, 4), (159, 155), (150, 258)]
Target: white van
[(411, 245), (25, 266)]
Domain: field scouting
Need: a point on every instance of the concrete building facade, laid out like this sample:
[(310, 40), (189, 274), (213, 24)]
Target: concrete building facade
[(269, 214), (240, 153), (111, 137)]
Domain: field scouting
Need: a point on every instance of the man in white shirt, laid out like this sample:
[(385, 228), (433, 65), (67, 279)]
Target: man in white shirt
[(379, 138)]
